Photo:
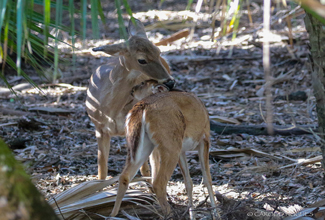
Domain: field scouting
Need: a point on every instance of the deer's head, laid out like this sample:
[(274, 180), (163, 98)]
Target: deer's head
[(139, 54), (148, 88)]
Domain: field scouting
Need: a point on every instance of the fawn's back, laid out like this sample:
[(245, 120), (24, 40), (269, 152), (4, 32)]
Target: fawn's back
[(165, 125), (170, 115)]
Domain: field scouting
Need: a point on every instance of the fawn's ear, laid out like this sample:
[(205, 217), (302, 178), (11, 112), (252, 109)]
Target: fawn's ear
[(160, 88), (137, 29), (113, 50)]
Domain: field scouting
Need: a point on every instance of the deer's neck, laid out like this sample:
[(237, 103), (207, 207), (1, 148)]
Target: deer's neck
[(123, 80), (123, 73)]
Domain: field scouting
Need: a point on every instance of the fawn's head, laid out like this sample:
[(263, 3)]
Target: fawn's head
[(139, 54), (148, 88)]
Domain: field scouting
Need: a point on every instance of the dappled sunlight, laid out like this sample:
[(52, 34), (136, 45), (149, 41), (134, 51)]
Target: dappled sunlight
[(50, 132)]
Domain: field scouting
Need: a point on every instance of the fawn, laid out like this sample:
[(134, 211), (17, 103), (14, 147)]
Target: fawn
[(168, 123), (108, 96)]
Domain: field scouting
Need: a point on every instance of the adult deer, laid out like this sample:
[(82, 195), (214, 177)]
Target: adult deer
[(108, 96), (169, 123)]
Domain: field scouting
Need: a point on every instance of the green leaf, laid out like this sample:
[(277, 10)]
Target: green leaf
[(4, 38), (58, 22), (21, 26), (73, 40), (121, 25), (20, 6), (12, 64), (5, 81), (2, 14), (30, 10), (94, 18), (128, 9), (100, 12), (189, 3), (47, 18), (84, 19), (314, 14)]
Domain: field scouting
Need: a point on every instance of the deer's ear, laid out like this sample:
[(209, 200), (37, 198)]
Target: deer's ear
[(113, 50), (137, 29), (160, 88)]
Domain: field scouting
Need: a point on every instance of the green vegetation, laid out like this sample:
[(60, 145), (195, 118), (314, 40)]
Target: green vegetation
[(19, 193), (27, 27)]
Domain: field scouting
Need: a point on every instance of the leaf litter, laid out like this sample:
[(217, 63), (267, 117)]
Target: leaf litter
[(269, 176)]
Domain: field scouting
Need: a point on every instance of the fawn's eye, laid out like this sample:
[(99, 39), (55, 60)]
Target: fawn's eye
[(142, 61), (142, 83)]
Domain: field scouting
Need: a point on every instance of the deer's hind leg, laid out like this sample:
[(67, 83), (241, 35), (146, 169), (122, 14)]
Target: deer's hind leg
[(145, 170), (204, 161), (154, 163), (169, 157), (188, 182), (133, 163)]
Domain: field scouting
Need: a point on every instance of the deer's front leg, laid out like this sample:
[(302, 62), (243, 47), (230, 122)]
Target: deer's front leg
[(103, 140)]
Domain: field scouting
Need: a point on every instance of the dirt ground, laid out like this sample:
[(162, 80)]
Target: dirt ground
[(58, 147)]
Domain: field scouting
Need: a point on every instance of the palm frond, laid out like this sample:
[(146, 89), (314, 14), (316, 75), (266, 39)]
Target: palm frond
[(120, 20), (90, 196), (25, 31), (315, 8), (84, 19)]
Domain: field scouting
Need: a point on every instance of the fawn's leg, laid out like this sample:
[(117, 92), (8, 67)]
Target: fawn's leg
[(131, 167), (145, 170), (154, 163), (168, 162), (123, 183), (204, 161), (188, 182), (103, 140)]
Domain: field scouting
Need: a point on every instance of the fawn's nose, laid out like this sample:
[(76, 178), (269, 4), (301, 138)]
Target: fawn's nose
[(170, 83)]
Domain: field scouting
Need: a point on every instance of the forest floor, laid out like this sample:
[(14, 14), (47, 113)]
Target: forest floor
[(58, 146)]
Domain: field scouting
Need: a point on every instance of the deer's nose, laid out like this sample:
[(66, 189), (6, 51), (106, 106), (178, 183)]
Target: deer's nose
[(170, 83), (133, 90)]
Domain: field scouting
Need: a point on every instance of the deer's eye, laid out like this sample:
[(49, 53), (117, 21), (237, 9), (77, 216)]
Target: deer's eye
[(142, 83), (142, 61)]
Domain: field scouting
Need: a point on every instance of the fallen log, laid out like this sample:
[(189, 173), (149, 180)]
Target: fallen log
[(227, 129)]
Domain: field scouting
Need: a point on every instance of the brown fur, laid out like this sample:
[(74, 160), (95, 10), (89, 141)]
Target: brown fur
[(134, 125), (166, 124), (108, 96), (139, 44)]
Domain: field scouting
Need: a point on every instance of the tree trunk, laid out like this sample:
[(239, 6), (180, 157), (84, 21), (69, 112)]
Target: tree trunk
[(316, 32), (19, 198)]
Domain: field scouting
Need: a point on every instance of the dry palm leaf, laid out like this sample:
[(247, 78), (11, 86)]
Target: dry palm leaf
[(88, 198), (317, 212), (304, 161)]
